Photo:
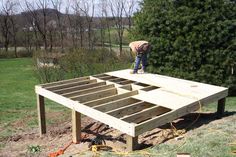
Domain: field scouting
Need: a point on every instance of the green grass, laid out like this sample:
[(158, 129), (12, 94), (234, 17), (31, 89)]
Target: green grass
[(16, 88), (211, 141), (17, 96)]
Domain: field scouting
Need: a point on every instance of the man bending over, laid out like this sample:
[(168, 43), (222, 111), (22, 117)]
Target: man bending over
[(140, 49)]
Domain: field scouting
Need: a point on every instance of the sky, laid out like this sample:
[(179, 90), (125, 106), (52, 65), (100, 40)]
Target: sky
[(65, 3)]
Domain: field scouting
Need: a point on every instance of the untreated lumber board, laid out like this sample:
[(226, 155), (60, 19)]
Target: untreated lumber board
[(76, 126), (65, 81), (131, 143), (145, 114), (88, 111), (95, 95), (72, 84), (41, 114), (86, 91), (129, 109), (110, 98), (126, 82), (79, 87), (127, 87), (115, 104)]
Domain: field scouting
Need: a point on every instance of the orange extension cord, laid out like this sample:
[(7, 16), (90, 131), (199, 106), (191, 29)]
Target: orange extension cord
[(62, 151)]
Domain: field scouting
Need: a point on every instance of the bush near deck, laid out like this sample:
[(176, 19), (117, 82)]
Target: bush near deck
[(80, 62), (191, 39)]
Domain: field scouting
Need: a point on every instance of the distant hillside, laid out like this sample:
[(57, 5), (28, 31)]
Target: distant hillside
[(52, 15), (49, 12)]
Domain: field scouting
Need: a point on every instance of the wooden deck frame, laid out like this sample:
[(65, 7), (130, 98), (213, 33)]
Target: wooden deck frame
[(130, 103)]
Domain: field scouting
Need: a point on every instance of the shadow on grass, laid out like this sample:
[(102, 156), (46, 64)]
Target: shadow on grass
[(100, 132)]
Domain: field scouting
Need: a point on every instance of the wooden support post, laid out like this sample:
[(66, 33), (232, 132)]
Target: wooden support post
[(221, 107), (41, 114), (131, 142), (76, 126)]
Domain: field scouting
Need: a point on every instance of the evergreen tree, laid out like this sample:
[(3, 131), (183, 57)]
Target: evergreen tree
[(191, 39)]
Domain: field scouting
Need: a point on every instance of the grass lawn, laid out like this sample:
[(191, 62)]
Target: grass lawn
[(17, 97), (18, 112)]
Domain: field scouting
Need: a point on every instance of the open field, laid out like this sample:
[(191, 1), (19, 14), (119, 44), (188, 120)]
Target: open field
[(209, 136)]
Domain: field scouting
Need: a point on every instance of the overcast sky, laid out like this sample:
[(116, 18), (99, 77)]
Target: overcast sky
[(65, 3)]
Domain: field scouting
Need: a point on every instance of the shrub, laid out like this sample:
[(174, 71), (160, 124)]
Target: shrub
[(81, 62), (47, 68), (77, 63)]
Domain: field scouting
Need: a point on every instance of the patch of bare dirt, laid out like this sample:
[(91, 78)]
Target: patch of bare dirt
[(59, 136)]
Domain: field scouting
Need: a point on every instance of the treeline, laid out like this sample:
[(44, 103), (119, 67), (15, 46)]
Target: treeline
[(191, 39), (61, 24)]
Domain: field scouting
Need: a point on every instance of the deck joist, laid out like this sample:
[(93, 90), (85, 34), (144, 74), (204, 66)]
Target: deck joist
[(131, 103)]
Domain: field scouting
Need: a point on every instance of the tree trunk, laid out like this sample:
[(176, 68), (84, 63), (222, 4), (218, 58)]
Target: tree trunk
[(120, 46), (36, 40), (61, 32), (15, 48), (6, 47), (89, 36), (51, 40), (109, 37), (102, 37), (81, 36), (45, 42)]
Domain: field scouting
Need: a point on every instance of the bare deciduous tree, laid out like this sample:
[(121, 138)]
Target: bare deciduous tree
[(102, 21), (28, 38), (87, 8), (105, 25), (14, 30), (38, 12), (57, 6), (129, 10), (117, 10), (79, 27), (51, 28), (70, 27), (28, 28), (78, 24), (8, 24)]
